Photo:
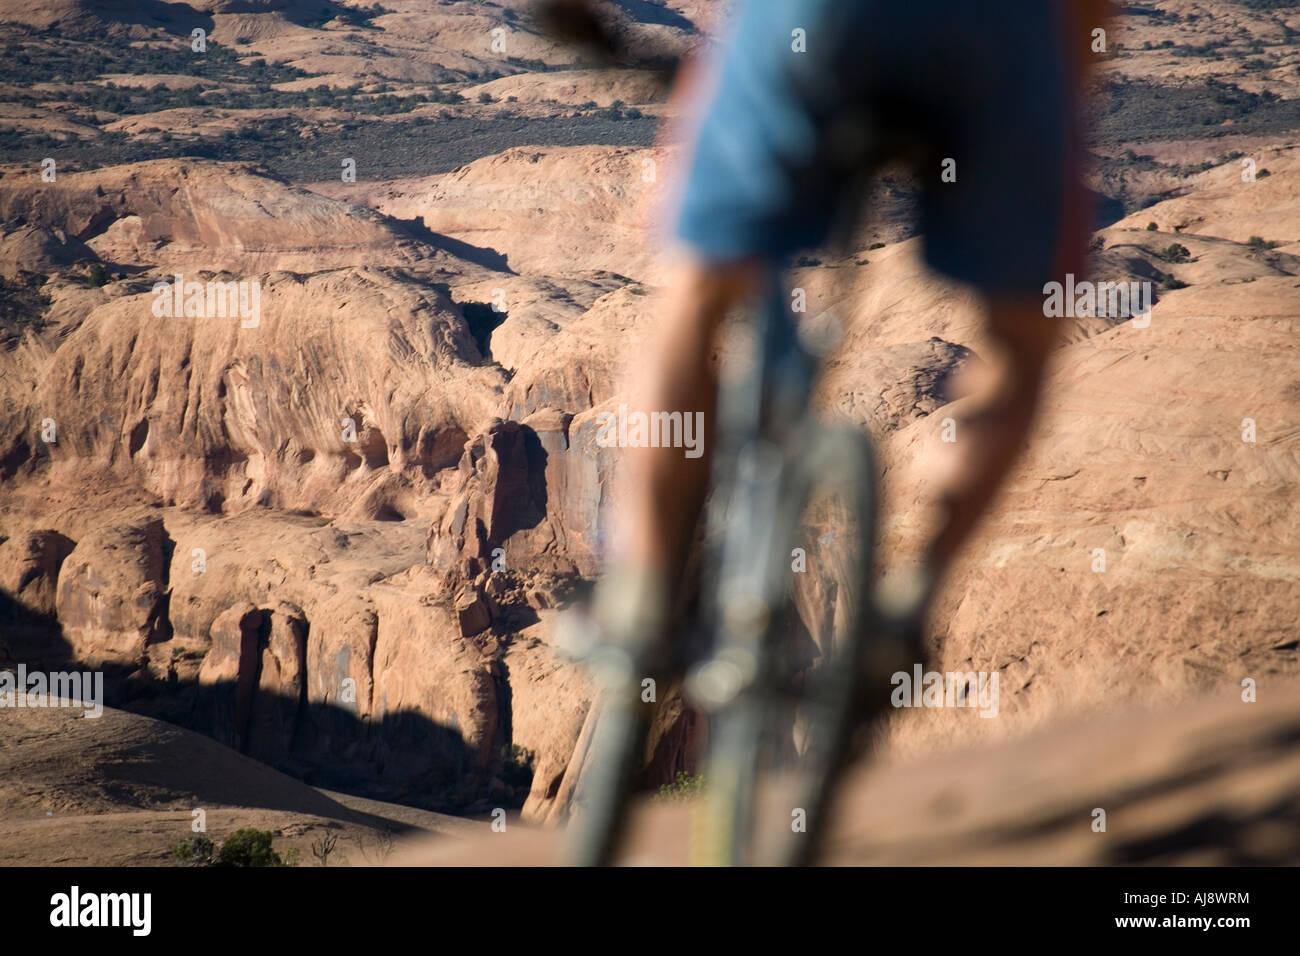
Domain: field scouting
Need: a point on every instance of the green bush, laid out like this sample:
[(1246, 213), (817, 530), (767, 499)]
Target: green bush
[(248, 847), (196, 850), (1152, 227), (517, 766), (685, 787)]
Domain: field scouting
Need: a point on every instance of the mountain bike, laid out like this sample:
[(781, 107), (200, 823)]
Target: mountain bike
[(777, 472)]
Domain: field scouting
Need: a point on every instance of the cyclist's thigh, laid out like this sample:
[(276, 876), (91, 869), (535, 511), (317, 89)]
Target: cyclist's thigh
[(767, 171), (1000, 210)]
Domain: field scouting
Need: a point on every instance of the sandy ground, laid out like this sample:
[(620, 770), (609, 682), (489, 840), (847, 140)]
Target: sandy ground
[(1213, 783), (122, 790)]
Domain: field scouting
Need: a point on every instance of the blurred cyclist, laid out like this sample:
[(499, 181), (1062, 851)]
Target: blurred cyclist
[(799, 101)]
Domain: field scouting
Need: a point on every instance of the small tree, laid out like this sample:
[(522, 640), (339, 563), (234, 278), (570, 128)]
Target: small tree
[(322, 847), (196, 850), (248, 847)]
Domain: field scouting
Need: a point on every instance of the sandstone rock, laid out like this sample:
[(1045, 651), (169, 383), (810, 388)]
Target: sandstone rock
[(1021, 802), (539, 205), (281, 684), (525, 493), (575, 87), (472, 614), (112, 593), (189, 215), (439, 702), (223, 418), (29, 567), (29, 572), (229, 673)]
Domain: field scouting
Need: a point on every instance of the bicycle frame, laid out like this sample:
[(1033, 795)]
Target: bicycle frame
[(772, 457)]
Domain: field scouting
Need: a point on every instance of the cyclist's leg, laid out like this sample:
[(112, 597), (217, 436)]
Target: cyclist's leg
[(1016, 217), (760, 184), (665, 489), (993, 426)]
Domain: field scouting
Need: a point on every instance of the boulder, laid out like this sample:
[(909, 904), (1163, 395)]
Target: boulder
[(29, 573), (472, 613), (112, 593)]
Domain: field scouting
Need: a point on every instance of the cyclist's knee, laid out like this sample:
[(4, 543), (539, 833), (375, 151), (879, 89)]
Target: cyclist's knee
[(1020, 327)]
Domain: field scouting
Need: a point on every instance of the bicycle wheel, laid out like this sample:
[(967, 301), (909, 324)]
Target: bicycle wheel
[(747, 681)]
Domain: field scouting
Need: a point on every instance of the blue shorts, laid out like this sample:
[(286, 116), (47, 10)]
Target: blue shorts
[(789, 136)]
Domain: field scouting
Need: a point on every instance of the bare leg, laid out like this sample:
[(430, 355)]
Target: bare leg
[(992, 429), (665, 490)]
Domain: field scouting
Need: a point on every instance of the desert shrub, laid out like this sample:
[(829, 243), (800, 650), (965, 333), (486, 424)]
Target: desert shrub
[(517, 766), (684, 787), (1175, 252), (248, 847), (323, 847), (195, 850), (1152, 227)]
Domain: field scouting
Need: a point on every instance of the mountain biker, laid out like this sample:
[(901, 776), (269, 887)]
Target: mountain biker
[(801, 98), (799, 101)]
